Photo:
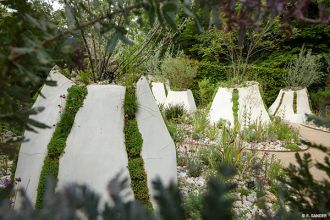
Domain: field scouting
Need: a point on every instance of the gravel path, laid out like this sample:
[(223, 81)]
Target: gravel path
[(314, 136)]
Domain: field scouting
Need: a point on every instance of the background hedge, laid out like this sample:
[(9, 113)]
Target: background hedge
[(270, 79)]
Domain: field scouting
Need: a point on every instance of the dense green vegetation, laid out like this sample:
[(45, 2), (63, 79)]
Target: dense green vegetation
[(235, 97), (134, 142), (56, 146)]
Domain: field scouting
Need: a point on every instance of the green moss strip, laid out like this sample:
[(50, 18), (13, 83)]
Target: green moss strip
[(235, 107), (279, 105), (294, 102), (56, 146), (134, 142)]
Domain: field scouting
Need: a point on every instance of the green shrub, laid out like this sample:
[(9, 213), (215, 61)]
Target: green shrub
[(303, 70), (194, 167), (270, 78), (193, 205), (56, 146), (277, 130), (174, 112), (213, 71), (133, 138), (66, 73), (175, 132), (84, 76), (235, 107), (199, 122), (136, 169), (321, 101), (274, 171), (319, 121), (179, 71), (283, 131), (292, 146), (204, 154), (206, 91), (130, 104)]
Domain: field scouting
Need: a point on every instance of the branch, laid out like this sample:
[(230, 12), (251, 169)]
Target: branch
[(14, 56)]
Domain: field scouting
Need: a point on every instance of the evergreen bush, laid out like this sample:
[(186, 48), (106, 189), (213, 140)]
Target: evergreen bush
[(180, 72)]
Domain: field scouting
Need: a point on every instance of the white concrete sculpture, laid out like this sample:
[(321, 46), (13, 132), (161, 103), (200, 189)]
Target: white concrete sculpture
[(303, 102), (284, 107), (95, 149), (158, 150), (158, 89), (184, 98), (251, 108), (33, 152), (272, 109), (222, 106)]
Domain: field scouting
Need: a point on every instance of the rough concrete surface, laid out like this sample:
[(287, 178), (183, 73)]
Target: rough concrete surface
[(286, 110), (251, 108), (95, 149), (33, 152), (303, 102), (158, 151), (276, 103), (222, 106), (184, 98), (158, 90)]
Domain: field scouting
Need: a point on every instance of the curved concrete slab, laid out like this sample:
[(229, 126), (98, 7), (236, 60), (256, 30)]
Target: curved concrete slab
[(303, 102), (33, 152), (251, 108), (158, 151), (158, 90), (95, 149), (222, 106), (276, 103), (286, 111), (184, 98)]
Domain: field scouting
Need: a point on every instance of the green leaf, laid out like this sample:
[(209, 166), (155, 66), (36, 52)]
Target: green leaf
[(69, 16), (112, 43), (124, 39), (169, 9), (191, 14), (43, 57), (37, 124), (50, 83)]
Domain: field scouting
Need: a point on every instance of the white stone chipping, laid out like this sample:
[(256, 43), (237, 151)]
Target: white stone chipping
[(95, 149), (286, 111), (251, 108), (158, 151), (184, 98), (33, 152), (222, 106), (158, 89)]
